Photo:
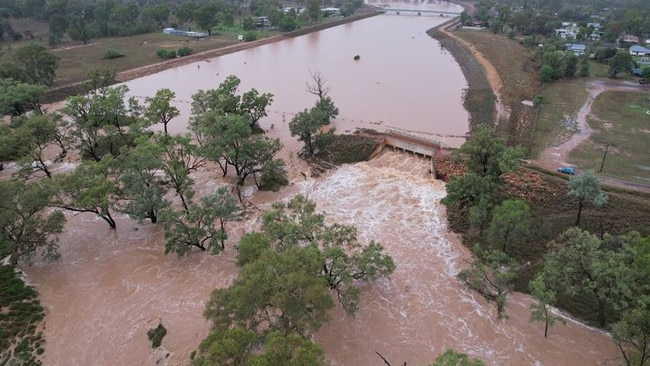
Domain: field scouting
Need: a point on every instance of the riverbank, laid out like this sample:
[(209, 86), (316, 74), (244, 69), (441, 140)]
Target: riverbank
[(62, 92)]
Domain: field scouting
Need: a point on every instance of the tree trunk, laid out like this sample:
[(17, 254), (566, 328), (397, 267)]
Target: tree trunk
[(601, 313), (577, 224)]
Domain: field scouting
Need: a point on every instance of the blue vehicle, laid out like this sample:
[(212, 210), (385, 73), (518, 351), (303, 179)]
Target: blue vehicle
[(566, 170)]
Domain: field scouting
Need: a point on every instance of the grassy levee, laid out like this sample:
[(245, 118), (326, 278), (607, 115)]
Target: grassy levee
[(517, 69), (619, 120)]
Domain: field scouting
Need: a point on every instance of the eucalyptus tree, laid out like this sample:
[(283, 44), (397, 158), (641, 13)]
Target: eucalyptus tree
[(8, 146), (492, 276), (101, 120), (225, 100), (194, 227), (229, 140), (142, 187), (17, 98), (91, 188), (345, 261), (33, 136), (510, 224), (180, 158), (283, 290), (308, 124), (580, 264), (487, 157), (586, 189), (27, 226), (39, 65), (159, 109), (238, 346), (544, 299)]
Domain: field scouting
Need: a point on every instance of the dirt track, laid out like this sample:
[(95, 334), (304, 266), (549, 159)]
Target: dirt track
[(555, 156)]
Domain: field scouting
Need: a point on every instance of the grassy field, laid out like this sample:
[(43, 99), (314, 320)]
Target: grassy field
[(620, 120), (76, 59), (556, 120)]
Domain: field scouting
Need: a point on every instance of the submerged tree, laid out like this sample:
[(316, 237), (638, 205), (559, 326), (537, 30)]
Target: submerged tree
[(283, 289), (195, 226), (544, 297), (493, 277), (92, 187), (26, 226), (159, 109), (225, 101)]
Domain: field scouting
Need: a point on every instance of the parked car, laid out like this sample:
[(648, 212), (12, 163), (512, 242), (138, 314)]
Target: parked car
[(566, 170)]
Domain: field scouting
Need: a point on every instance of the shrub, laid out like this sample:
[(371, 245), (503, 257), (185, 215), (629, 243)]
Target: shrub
[(162, 53), (156, 335), (250, 36), (184, 51), (112, 53)]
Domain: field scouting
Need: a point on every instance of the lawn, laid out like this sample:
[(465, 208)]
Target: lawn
[(622, 121), (556, 120)]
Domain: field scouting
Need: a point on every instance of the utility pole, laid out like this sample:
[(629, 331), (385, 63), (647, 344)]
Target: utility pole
[(602, 164)]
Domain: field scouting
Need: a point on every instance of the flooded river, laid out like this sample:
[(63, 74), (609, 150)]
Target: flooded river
[(112, 286)]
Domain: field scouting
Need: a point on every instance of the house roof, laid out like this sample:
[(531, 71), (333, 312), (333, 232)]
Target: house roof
[(575, 46), (637, 49)]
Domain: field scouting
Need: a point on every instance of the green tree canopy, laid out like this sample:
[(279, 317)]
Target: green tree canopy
[(225, 101), (453, 358), (159, 109), (586, 189), (579, 263), (38, 64), (17, 98), (493, 277), (26, 226), (510, 224)]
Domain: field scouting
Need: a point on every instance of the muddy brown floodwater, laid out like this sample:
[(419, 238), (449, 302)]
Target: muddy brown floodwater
[(112, 286)]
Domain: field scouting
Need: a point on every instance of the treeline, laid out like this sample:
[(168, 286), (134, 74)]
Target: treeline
[(542, 18), (84, 20)]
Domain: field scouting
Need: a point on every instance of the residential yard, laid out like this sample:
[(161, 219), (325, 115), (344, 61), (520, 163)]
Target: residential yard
[(622, 121)]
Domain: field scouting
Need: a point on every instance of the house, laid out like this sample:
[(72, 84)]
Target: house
[(595, 26), (177, 32), (628, 38), (330, 12), (637, 50), (595, 36), (578, 49), (568, 31)]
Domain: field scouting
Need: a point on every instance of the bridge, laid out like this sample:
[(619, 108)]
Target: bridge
[(420, 11)]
